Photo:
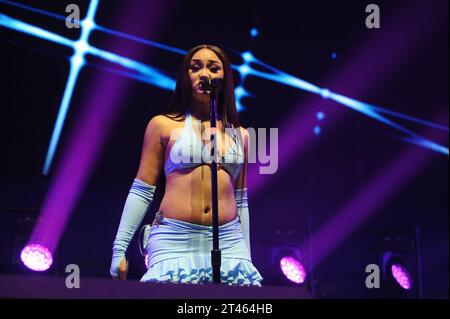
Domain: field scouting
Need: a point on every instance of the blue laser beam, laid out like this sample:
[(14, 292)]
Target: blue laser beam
[(80, 48), (410, 118), (98, 27), (426, 144), (32, 9), (364, 108), (368, 110), (143, 41), (23, 27), (132, 75)]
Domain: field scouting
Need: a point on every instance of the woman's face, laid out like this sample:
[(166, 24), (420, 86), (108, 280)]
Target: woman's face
[(204, 63)]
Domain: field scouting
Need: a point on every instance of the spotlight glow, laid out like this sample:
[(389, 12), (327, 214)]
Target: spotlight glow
[(240, 92), (88, 24), (244, 69), (320, 116), (81, 46), (248, 56), (325, 93), (317, 130), (401, 275), (293, 270), (77, 60), (36, 257)]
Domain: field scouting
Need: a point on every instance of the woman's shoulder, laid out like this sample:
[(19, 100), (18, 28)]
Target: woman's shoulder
[(171, 117), (163, 124), (165, 119)]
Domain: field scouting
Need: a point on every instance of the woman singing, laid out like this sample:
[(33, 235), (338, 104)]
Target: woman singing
[(179, 243)]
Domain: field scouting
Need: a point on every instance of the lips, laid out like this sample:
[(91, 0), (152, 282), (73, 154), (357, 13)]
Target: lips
[(199, 89)]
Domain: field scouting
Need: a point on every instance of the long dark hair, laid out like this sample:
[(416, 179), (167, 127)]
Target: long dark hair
[(181, 98)]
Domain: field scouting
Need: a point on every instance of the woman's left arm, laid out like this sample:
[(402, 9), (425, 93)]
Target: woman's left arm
[(240, 193)]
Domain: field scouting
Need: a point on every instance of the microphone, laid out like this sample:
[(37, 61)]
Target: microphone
[(208, 85)]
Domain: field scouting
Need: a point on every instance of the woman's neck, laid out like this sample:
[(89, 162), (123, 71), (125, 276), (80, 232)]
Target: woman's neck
[(200, 110)]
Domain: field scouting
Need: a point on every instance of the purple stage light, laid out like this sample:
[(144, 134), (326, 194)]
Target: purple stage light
[(401, 275), (293, 270), (36, 257)]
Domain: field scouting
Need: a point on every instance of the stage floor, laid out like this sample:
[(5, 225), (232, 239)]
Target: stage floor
[(44, 287)]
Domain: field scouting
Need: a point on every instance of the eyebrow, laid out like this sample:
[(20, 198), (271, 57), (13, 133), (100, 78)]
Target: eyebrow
[(198, 60)]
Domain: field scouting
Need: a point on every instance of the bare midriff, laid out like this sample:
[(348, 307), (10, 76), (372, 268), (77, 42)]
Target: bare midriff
[(188, 192)]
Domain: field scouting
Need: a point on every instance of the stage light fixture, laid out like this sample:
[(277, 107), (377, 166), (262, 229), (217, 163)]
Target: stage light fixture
[(293, 269), (36, 257)]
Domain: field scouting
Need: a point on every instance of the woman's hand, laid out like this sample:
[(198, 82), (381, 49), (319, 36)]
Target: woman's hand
[(123, 269)]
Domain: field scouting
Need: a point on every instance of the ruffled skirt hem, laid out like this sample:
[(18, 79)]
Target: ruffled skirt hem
[(198, 270)]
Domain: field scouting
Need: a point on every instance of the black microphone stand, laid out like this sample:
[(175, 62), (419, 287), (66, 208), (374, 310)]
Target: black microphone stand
[(215, 252)]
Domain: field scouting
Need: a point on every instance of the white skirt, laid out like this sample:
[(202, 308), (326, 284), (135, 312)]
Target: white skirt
[(180, 252)]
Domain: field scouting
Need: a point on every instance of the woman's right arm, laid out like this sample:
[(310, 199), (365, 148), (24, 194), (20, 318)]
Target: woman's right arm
[(152, 156), (140, 196)]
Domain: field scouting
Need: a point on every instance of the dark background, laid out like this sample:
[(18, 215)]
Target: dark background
[(296, 37)]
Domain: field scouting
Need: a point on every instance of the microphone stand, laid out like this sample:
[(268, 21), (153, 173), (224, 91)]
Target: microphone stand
[(215, 252)]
